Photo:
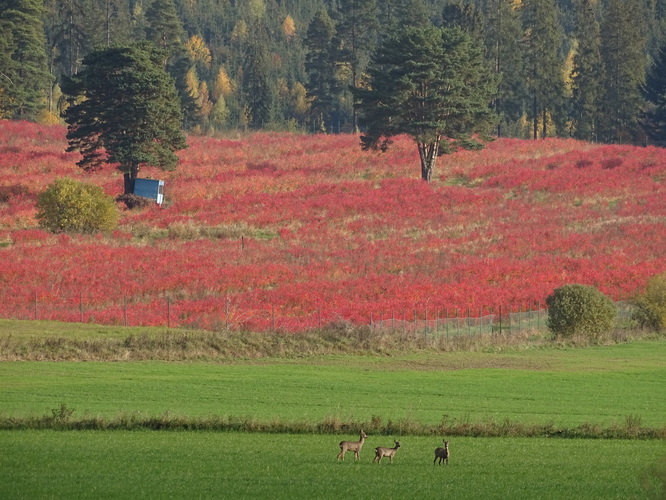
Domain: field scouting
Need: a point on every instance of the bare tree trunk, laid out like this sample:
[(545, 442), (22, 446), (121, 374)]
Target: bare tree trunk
[(536, 118), (129, 176), (428, 153)]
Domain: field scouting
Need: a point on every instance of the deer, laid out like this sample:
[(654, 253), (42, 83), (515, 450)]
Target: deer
[(354, 446), (381, 452), (442, 454)]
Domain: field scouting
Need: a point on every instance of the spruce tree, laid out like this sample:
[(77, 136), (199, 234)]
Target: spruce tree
[(165, 30), (25, 80), (414, 13), (465, 16), (258, 87), (505, 48), (624, 57), (654, 92), (7, 70), (356, 38), (543, 37), (587, 73), (320, 68)]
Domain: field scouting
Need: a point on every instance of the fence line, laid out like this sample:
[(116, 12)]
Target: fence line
[(216, 313)]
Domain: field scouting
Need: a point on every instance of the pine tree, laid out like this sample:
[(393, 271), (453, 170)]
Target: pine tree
[(431, 84), (130, 115), (654, 92), (624, 57), (25, 81), (587, 73), (543, 36)]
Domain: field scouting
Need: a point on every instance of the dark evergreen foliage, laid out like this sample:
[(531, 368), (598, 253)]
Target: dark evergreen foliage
[(587, 74), (320, 68), (654, 93), (543, 42), (24, 79), (129, 115), (624, 57), (431, 84), (259, 97), (527, 43), (505, 49)]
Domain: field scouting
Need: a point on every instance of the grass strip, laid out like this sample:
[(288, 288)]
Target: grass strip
[(61, 419), (53, 341)]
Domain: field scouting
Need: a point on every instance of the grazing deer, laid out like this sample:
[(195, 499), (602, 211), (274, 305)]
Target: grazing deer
[(354, 446), (381, 452), (442, 454)]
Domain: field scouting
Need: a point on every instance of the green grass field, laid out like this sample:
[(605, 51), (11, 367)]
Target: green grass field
[(601, 385), (594, 386), (144, 464)]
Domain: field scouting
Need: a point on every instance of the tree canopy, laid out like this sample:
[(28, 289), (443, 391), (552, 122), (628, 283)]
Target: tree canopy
[(654, 92), (124, 110), (567, 67), (431, 84), (24, 77)]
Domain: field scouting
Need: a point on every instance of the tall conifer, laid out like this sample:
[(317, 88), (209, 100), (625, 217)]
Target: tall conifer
[(587, 75), (505, 48), (356, 38), (654, 92), (624, 57), (543, 38), (165, 30), (25, 81), (320, 68)]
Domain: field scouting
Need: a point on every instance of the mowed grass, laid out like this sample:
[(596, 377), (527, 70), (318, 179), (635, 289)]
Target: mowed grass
[(145, 464), (567, 387)]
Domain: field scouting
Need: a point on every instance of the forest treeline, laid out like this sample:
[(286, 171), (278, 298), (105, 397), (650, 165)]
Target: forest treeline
[(567, 67)]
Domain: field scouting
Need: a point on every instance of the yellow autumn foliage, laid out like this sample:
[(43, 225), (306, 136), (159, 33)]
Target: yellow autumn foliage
[(223, 85), (289, 27), (196, 48)]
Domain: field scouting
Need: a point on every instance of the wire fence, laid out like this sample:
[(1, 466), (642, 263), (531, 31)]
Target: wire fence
[(501, 321), (222, 313)]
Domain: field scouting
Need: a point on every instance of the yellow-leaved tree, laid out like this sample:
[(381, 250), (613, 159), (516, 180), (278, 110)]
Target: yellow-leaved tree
[(197, 50), (289, 27)]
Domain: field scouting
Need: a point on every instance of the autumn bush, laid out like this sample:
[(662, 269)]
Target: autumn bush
[(580, 310), (296, 231), (68, 205), (651, 304)]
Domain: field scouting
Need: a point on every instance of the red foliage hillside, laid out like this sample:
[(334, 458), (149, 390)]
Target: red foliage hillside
[(302, 227)]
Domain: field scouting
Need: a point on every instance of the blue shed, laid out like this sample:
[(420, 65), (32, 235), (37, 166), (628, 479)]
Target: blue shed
[(150, 188)]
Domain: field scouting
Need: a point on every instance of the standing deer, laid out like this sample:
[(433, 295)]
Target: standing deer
[(442, 454), (354, 446), (381, 452)]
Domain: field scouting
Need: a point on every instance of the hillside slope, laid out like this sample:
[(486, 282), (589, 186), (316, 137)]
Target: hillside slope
[(289, 231)]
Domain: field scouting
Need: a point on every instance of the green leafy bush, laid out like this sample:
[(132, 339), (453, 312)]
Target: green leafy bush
[(68, 205), (580, 310), (651, 304)]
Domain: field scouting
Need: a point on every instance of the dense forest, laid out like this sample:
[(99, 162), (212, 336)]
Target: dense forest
[(567, 67)]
